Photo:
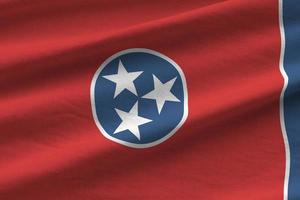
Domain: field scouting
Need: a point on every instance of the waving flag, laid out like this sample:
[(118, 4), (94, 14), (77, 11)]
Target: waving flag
[(150, 100)]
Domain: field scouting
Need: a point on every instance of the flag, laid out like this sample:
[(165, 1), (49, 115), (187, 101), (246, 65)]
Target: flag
[(149, 100)]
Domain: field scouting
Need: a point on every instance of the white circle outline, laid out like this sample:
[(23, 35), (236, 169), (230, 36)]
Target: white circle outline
[(185, 94)]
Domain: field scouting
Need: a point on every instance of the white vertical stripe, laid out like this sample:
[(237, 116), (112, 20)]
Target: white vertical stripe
[(282, 121)]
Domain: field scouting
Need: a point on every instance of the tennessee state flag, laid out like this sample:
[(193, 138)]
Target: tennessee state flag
[(150, 100)]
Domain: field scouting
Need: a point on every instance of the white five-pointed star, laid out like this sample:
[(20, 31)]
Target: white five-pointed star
[(131, 121), (162, 93), (123, 79)]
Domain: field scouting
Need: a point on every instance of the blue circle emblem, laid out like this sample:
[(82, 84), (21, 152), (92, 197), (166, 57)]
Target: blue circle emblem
[(139, 98)]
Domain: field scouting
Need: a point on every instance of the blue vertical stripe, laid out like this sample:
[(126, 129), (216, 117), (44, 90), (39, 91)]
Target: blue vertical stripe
[(291, 64)]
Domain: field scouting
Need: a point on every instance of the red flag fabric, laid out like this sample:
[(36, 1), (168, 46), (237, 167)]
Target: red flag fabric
[(230, 146)]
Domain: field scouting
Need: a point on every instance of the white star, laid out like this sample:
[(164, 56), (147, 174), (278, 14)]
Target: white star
[(131, 121), (162, 93), (123, 79)]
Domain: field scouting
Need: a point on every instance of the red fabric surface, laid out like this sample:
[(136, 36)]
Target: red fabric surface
[(230, 147)]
